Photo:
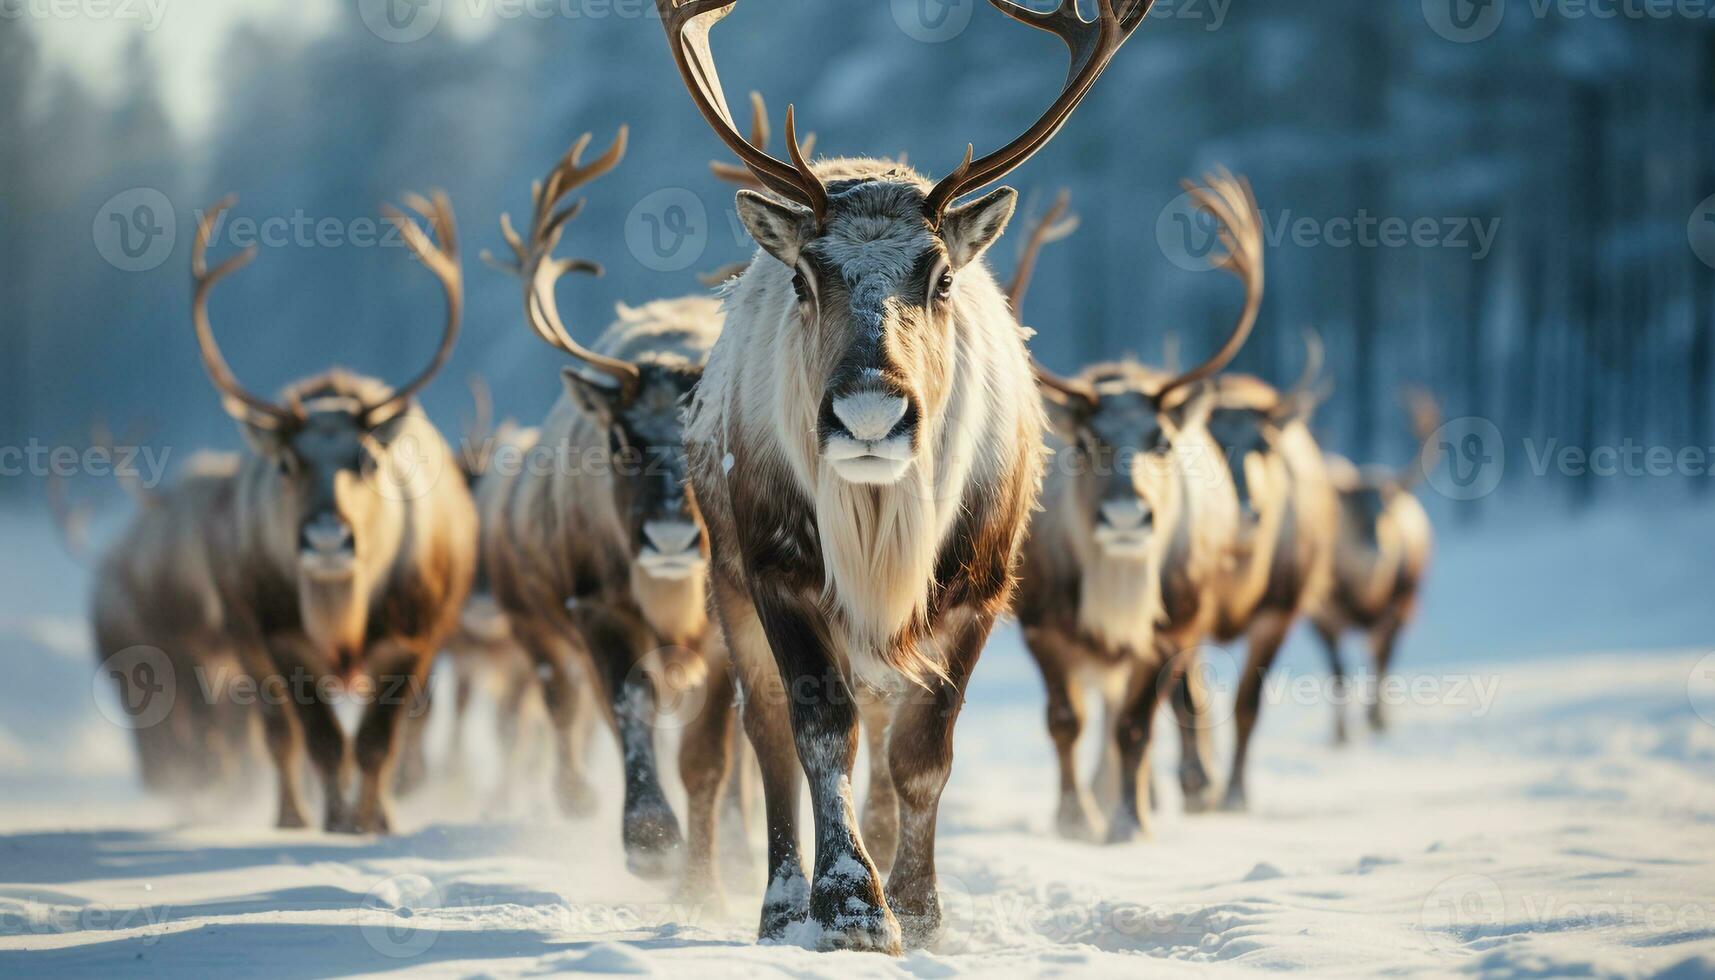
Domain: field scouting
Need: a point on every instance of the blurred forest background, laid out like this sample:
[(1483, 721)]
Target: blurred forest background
[(1591, 141)]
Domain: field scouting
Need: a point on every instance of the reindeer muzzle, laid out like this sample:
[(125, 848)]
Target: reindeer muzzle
[(869, 435), (1125, 527), (672, 549), (326, 548)]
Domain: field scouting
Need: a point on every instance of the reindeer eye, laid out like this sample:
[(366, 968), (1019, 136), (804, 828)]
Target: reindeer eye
[(944, 285), (287, 463), (801, 287)]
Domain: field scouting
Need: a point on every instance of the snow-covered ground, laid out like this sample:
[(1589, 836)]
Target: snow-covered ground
[(1544, 806)]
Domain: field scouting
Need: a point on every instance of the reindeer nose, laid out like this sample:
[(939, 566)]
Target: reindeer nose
[(671, 537), (1124, 513), (325, 534), (870, 416)]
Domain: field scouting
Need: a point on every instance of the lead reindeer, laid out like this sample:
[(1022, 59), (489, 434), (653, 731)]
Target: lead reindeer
[(344, 546), (1381, 554), (865, 452), (602, 559), (1122, 570)]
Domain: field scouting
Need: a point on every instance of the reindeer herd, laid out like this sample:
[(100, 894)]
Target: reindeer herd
[(809, 498)]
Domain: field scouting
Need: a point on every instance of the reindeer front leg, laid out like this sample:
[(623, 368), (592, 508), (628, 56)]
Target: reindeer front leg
[(1266, 636), (1191, 709), (768, 727), (704, 756), (880, 824), (290, 686), (401, 688), (920, 750), (1132, 735), (550, 651), (845, 892), (618, 643), (1053, 657)]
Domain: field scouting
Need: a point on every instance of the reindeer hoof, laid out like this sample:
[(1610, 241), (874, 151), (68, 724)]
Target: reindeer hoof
[(919, 920), (577, 800), (652, 843), (1125, 828), (1073, 821), (846, 903), (291, 817), (1199, 801), (701, 889), (786, 903), (1235, 801), (1341, 739), (340, 823)]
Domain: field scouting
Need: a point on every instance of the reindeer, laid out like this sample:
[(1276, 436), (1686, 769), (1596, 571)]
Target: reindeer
[(602, 558), (865, 464), (1280, 561), (343, 547), (156, 587), (1122, 569), (1381, 553)]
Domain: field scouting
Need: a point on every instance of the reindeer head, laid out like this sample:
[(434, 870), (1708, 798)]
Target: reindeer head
[(637, 403), (344, 456), (874, 254), (646, 448), (1368, 494), (1126, 422), (1249, 425), (1121, 452)]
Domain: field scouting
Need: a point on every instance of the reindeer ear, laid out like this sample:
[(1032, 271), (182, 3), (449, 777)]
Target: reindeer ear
[(1067, 413), (261, 433), (1191, 413), (971, 229), (1295, 407), (780, 227), (593, 397)]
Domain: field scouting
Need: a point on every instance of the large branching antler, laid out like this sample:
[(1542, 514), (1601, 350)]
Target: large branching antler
[(1092, 45), (1230, 201), (534, 262), (687, 23), (441, 256), (1054, 225), (760, 134), (261, 411)]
